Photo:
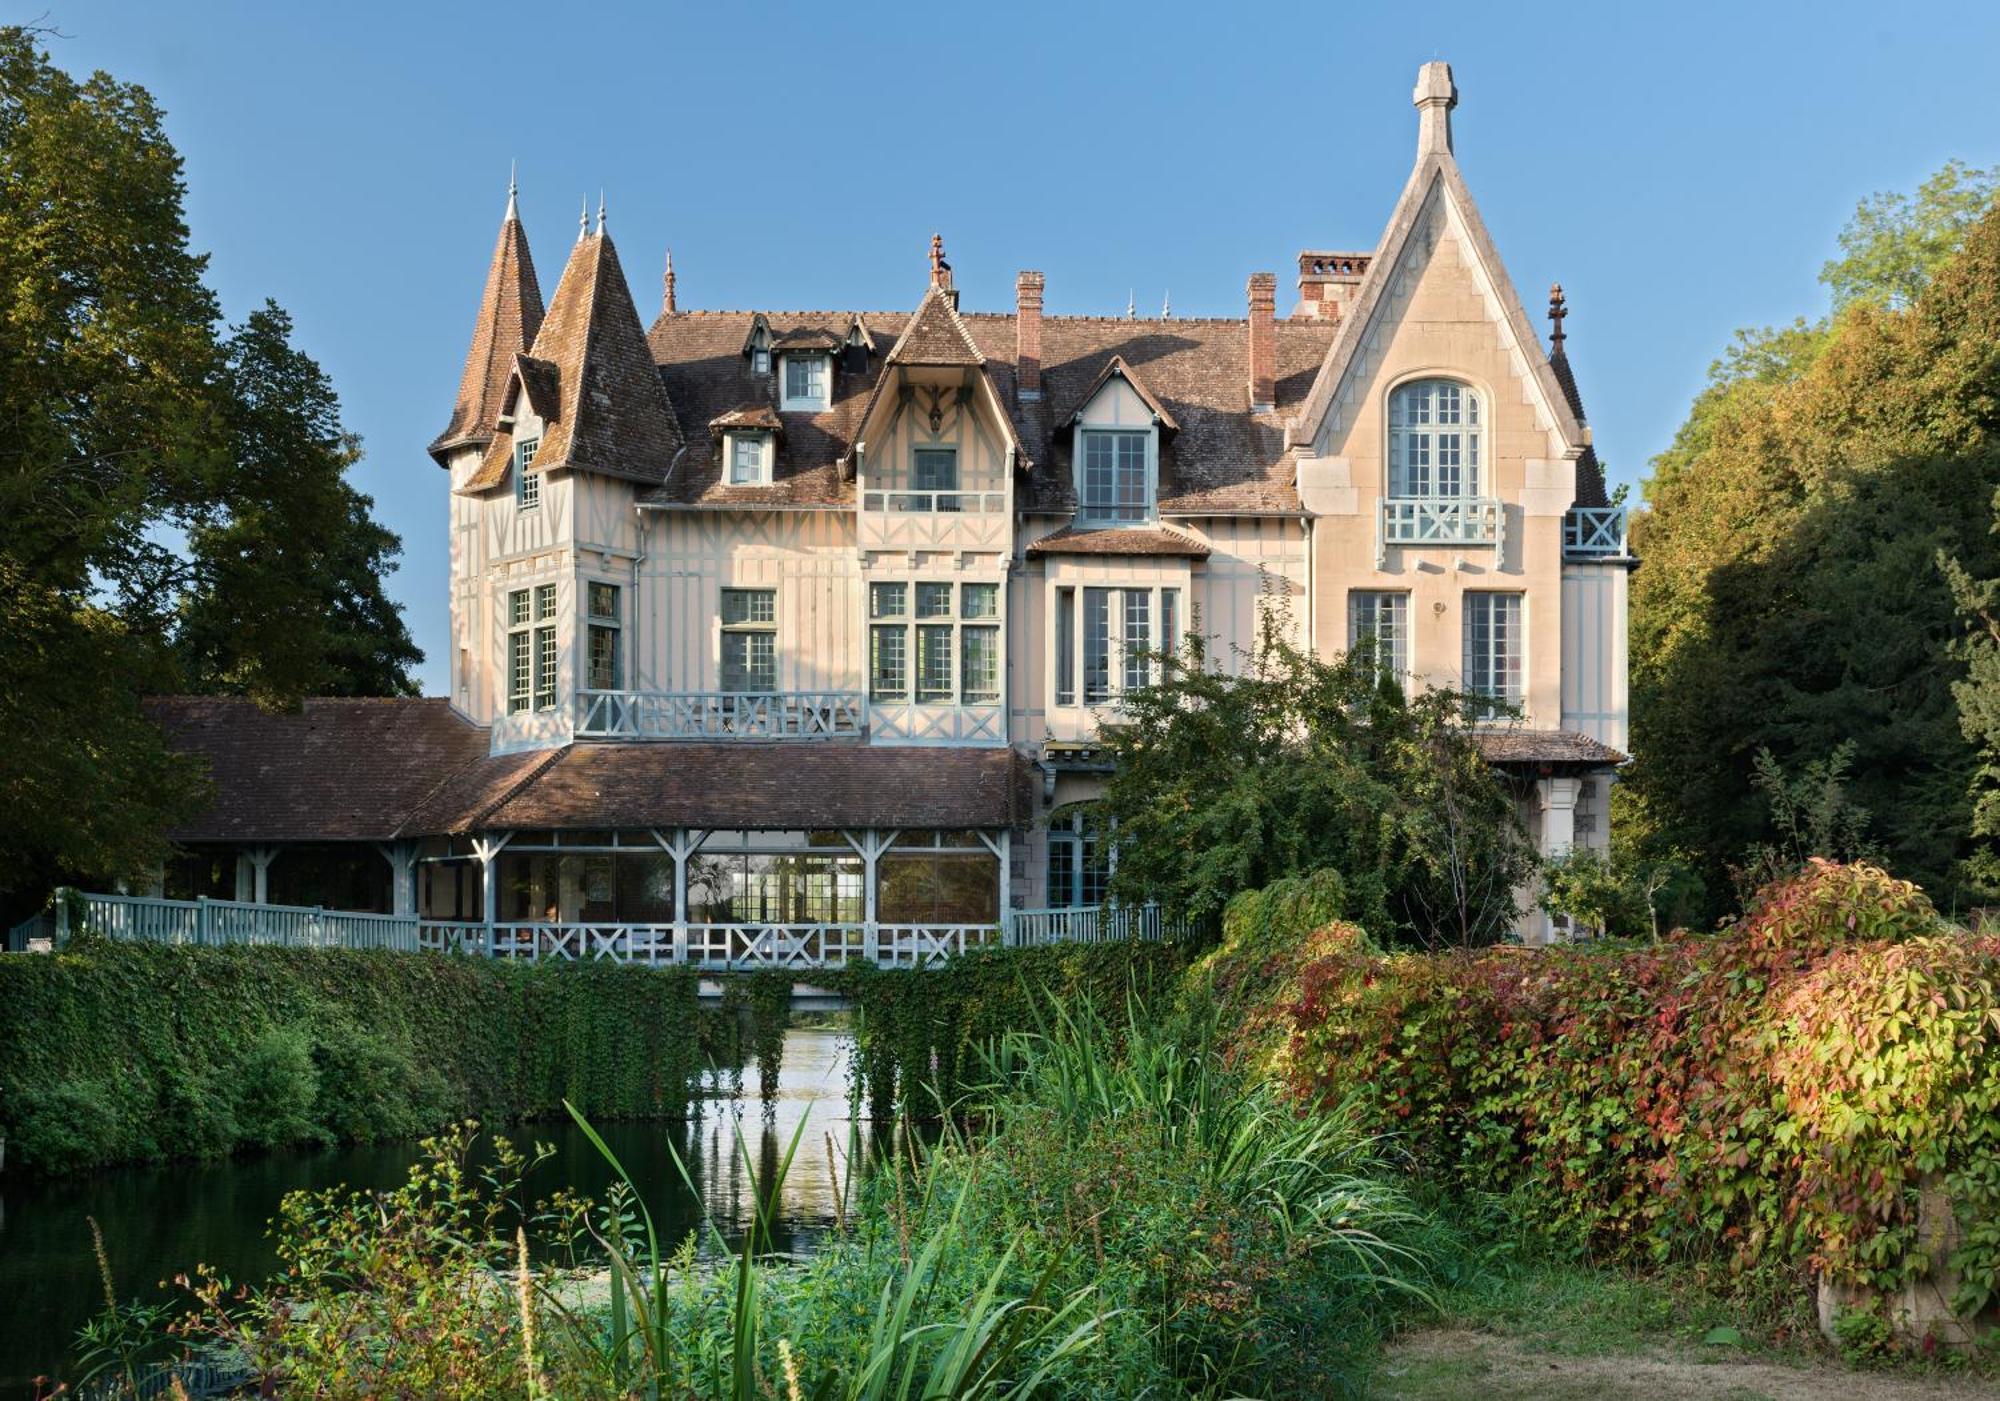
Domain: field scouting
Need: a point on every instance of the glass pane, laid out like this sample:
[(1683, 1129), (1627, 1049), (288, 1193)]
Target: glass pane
[(1096, 645), (749, 606), (940, 888), (934, 600), (545, 602), (604, 602), (889, 663), (605, 672), (979, 601), (1062, 870), (1065, 646), (545, 668), (934, 663), (1138, 638), (887, 600), (981, 663), (517, 607), (645, 889)]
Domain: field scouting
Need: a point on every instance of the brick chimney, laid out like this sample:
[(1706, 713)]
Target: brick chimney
[(1263, 291), (1028, 335), (1328, 282)]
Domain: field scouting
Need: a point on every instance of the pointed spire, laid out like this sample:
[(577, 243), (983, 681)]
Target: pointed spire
[(582, 223), (1131, 303), (1167, 305), (600, 213), (1558, 309), (510, 315), (1435, 96), (513, 193), (940, 269), (667, 307)]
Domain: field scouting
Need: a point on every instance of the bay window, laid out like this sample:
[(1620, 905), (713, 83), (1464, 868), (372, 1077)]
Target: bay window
[(951, 633), (1116, 642)]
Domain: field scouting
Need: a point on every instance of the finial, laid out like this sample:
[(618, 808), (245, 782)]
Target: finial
[(583, 221), (1435, 96), (513, 191), (940, 269), (1131, 303), (1167, 305), (667, 297), (1558, 309), (600, 213)]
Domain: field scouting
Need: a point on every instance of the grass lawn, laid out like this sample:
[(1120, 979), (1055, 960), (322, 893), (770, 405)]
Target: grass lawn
[(1562, 1330)]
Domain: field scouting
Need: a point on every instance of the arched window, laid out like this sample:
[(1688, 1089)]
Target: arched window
[(1433, 439)]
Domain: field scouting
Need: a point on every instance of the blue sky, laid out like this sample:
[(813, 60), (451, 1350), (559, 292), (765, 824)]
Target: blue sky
[(1681, 170)]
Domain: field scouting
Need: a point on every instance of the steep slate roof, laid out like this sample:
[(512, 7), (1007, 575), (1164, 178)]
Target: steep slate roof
[(701, 361), (935, 335), (732, 785), (1120, 540), (1523, 746), (510, 313), (1590, 490), (336, 770), (614, 416)]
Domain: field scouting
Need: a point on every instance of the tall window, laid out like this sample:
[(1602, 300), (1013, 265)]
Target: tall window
[(1114, 476), (1079, 868), (527, 485), (1114, 643), (749, 459), (1493, 650), (805, 381), (1384, 620), (952, 633), (935, 470), (1433, 440), (750, 640), (531, 649), (605, 659)]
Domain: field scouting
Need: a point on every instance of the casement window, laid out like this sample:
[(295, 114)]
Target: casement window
[(750, 640), (1384, 620), (527, 485), (1493, 653), (531, 649), (1434, 434), (605, 639), (1079, 865), (749, 459), (1114, 642), (1117, 484), (805, 381), (934, 642), (935, 470)]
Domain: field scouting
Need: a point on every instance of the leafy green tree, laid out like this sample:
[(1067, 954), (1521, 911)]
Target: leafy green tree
[(1791, 598), (158, 488), (1229, 779), (1895, 243)]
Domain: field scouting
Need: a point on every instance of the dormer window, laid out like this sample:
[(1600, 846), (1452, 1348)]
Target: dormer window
[(760, 349), (748, 459), (1117, 482), (1434, 440), (806, 378), (527, 485)]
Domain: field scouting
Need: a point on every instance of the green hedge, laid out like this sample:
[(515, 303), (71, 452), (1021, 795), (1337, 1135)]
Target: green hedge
[(117, 1053), (918, 1031), (1787, 1092)]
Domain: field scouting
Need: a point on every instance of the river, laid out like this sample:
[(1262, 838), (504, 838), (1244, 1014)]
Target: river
[(159, 1221)]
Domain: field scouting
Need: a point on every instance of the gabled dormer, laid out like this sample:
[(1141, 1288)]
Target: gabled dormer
[(748, 438), (805, 368), (1117, 431), (757, 345)]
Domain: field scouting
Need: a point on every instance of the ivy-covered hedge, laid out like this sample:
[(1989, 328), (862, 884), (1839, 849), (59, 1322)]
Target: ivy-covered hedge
[(918, 1031), (1786, 1091), (116, 1053)]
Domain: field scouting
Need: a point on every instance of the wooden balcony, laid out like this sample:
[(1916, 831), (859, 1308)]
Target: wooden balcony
[(1594, 532), (720, 947), (1093, 924), (144, 920), (923, 520), (1439, 520), (709, 715)]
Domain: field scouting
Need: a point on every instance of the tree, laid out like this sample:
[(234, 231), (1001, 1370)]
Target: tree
[(143, 464), (1791, 598), (1895, 244), (286, 597), (1228, 780)]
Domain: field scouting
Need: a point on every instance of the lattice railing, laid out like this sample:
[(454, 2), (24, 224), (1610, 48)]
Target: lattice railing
[(1594, 532), (722, 714)]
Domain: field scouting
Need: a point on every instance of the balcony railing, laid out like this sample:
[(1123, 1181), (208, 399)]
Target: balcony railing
[(145, 920), (715, 946), (1594, 532), (722, 714), (1093, 924), (926, 502), (1439, 520)]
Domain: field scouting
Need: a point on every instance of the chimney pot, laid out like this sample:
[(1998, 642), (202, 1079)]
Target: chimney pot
[(1028, 336), (1263, 296)]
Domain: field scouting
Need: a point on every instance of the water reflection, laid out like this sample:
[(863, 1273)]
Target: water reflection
[(159, 1221)]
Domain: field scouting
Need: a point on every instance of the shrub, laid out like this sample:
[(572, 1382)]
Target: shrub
[(68, 1126), (276, 1087), (370, 1090), (1776, 1094)]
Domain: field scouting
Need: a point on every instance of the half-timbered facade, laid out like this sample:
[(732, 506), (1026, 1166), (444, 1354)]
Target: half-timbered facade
[(774, 630)]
